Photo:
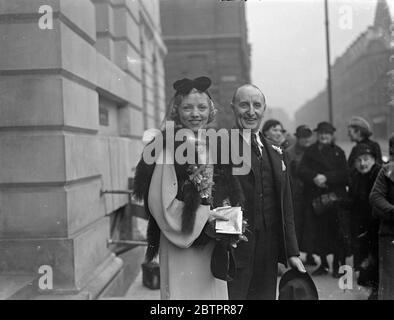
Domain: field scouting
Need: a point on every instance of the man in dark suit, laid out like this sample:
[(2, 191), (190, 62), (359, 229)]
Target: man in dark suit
[(268, 207)]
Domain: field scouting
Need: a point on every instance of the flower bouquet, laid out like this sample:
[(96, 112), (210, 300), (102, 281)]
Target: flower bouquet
[(201, 176)]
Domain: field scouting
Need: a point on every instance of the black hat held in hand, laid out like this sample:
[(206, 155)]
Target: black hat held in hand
[(295, 285)]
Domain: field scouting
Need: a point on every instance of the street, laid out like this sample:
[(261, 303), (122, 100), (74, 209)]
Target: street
[(328, 289)]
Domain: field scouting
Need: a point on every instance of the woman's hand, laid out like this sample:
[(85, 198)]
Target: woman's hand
[(320, 180)]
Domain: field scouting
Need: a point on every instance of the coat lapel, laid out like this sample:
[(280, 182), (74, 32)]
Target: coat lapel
[(276, 160)]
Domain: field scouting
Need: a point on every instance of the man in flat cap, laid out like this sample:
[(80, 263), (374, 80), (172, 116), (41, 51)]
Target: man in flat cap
[(359, 131)]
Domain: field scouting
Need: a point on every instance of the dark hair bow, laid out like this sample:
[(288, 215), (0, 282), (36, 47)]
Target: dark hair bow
[(185, 85)]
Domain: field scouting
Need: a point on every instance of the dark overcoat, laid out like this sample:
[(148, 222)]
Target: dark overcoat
[(382, 201), (294, 155), (364, 227), (322, 232)]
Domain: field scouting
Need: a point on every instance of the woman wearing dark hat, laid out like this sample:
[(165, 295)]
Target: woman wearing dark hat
[(382, 201), (364, 227), (178, 198), (324, 171)]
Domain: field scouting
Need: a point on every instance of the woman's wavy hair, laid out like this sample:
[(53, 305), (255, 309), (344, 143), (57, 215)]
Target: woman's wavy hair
[(172, 113)]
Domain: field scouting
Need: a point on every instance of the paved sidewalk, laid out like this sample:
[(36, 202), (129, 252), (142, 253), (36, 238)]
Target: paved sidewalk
[(138, 291), (327, 287)]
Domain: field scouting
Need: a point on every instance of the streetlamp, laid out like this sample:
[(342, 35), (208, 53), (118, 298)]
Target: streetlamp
[(329, 87)]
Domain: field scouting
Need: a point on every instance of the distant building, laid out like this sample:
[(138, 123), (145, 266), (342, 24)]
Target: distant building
[(360, 82), (207, 37), (75, 99)]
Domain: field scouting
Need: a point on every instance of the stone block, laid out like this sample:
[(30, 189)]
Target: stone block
[(73, 260), (105, 45), (132, 5), (82, 13), (33, 213), (83, 205), (130, 122), (150, 108), (125, 26), (115, 81), (50, 211), (151, 122), (30, 101), (80, 106), (47, 157), (27, 256), (24, 46), (36, 100), (26, 7), (104, 17), (133, 31), (77, 55), (127, 58), (32, 157), (81, 156), (90, 250)]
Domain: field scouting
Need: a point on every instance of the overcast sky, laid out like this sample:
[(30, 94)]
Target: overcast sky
[(288, 44)]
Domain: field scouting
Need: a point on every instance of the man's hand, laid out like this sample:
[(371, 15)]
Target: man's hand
[(320, 180), (296, 263)]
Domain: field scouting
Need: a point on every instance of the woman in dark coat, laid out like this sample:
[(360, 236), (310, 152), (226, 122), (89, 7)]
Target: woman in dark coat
[(324, 170), (382, 200), (363, 225)]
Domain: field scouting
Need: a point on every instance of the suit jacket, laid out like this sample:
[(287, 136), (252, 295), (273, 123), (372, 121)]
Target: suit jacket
[(253, 205)]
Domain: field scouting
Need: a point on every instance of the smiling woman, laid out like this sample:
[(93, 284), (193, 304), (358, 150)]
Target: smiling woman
[(192, 105), (194, 110)]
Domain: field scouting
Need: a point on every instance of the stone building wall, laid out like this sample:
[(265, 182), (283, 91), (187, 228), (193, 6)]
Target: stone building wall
[(72, 115)]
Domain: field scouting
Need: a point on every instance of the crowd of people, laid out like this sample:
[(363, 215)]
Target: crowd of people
[(340, 203)]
